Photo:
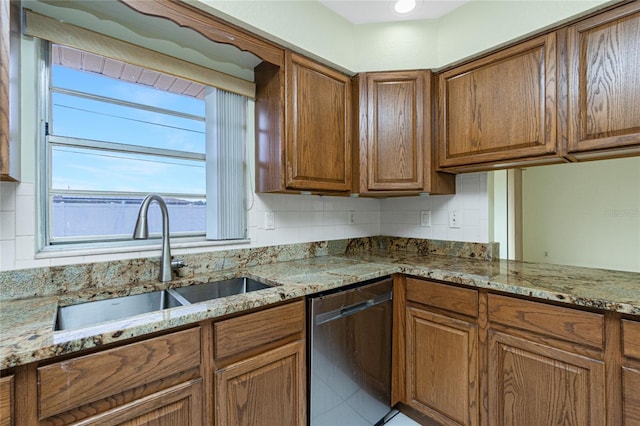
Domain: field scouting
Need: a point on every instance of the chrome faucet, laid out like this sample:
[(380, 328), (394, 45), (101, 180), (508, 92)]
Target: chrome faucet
[(141, 232)]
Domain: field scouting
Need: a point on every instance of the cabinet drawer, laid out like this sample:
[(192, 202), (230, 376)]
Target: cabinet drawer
[(78, 381), (443, 296), (6, 401), (631, 338), (562, 323), (246, 332)]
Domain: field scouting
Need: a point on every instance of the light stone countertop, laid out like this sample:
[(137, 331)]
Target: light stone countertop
[(26, 325)]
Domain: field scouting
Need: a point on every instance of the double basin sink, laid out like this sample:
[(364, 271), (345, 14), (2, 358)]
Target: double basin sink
[(91, 313)]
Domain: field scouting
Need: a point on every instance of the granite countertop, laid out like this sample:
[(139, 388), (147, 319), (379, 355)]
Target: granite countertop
[(26, 325)]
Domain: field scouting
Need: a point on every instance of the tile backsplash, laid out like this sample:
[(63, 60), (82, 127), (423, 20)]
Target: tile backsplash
[(297, 219)]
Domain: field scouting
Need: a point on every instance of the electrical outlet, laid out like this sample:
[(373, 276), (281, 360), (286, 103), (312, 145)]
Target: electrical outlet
[(454, 219), (269, 221), (425, 218)]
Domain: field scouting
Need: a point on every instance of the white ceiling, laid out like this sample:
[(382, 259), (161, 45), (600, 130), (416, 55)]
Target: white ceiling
[(375, 11)]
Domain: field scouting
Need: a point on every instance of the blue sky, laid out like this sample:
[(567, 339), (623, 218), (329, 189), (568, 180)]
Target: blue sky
[(84, 169)]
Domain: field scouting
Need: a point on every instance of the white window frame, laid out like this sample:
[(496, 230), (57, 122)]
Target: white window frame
[(47, 242)]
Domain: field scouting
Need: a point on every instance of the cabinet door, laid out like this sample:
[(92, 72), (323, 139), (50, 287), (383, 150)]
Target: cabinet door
[(10, 34), (442, 367), (535, 384), (268, 389), (177, 406), (318, 149), (500, 108), (4, 87), (6, 401), (631, 396), (604, 81), (397, 135)]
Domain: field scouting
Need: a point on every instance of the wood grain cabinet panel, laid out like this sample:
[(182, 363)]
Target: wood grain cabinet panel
[(177, 406), (443, 296), (4, 88), (243, 334), (442, 367), (631, 339), (268, 389), (500, 109), (572, 325), (73, 383), (603, 55), (6, 401), (393, 139), (10, 33), (631, 396), (535, 384), (631, 372), (318, 120), (260, 368)]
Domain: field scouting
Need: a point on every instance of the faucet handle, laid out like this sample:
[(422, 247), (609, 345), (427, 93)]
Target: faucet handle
[(178, 263)]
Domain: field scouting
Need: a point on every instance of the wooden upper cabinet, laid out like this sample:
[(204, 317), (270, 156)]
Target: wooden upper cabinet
[(10, 33), (4, 88), (603, 57), (501, 109), (393, 149), (318, 116)]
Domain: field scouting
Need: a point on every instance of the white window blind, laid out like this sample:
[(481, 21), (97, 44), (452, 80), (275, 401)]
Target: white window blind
[(225, 138)]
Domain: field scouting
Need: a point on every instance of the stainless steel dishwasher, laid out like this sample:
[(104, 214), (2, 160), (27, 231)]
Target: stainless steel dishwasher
[(350, 355)]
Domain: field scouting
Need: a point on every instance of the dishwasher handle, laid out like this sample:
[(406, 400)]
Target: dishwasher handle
[(353, 309)]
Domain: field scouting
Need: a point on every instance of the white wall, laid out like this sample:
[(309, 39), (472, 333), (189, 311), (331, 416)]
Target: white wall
[(400, 217), (309, 27), (584, 214), (483, 24)]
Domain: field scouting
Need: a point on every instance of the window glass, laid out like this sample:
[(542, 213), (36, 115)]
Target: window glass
[(80, 169), (114, 217), (77, 117), (113, 140)]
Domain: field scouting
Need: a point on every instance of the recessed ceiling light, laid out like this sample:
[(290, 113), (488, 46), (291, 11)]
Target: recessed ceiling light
[(405, 6)]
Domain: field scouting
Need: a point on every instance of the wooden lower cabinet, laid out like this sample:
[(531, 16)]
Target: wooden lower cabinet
[(536, 384), (631, 396), (545, 364), (267, 389), (179, 405), (442, 372), (260, 368), (249, 369), (481, 358), (6, 401), (631, 373), (442, 352), (157, 381)]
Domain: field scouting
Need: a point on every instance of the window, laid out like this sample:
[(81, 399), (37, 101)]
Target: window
[(117, 131)]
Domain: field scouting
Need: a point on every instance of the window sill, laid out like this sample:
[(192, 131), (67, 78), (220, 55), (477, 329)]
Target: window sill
[(90, 249)]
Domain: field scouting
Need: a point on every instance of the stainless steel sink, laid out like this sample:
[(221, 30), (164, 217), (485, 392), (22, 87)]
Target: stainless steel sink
[(214, 290), (91, 313)]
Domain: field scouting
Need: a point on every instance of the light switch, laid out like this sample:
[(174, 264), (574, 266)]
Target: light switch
[(269, 221), (425, 218)]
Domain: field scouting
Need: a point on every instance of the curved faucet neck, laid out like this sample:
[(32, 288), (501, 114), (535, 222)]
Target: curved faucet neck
[(141, 231)]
